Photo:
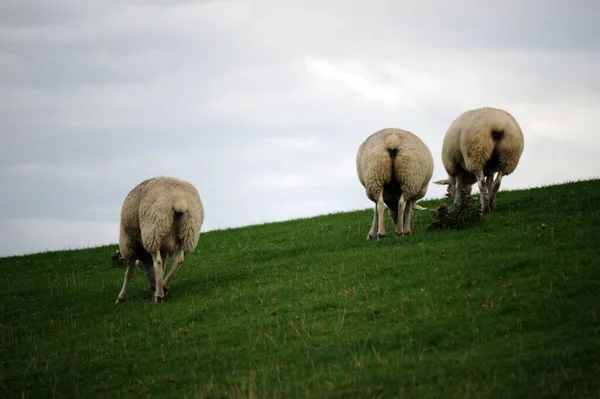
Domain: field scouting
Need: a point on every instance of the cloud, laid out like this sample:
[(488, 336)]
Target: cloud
[(356, 81), (263, 104), (28, 235)]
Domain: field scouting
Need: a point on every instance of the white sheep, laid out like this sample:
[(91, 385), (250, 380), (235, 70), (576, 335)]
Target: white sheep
[(160, 219), (479, 143), (395, 167)]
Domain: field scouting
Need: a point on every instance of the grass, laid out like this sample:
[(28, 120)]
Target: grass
[(507, 308)]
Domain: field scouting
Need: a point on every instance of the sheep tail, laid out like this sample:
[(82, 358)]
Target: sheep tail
[(186, 222), (492, 154), (180, 205), (392, 143)]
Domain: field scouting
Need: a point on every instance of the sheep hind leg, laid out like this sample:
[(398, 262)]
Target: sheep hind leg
[(494, 189), (401, 218), (483, 193), (378, 225), (380, 216), (489, 183), (373, 232), (177, 262), (408, 216), (159, 270), (128, 276)]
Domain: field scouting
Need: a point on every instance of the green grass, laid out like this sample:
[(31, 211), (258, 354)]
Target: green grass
[(309, 308)]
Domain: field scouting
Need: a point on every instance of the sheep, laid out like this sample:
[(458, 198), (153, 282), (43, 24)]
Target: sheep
[(479, 143), (394, 166), (160, 219)]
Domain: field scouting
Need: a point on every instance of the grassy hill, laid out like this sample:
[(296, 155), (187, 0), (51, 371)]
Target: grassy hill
[(310, 308)]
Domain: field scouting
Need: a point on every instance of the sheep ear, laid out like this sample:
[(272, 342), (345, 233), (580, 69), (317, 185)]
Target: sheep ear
[(442, 182), (419, 207)]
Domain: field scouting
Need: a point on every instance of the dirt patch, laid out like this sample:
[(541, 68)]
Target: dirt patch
[(455, 217)]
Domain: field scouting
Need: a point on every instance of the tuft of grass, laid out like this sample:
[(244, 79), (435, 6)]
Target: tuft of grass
[(310, 308)]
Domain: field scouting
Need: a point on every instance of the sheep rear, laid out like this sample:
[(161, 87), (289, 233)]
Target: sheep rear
[(392, 189)]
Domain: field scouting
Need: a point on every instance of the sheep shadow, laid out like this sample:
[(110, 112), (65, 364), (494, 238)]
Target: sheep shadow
[(206, 285)]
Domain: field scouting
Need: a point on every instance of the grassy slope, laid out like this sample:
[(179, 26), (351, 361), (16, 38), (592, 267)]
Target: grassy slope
[(310, 308)]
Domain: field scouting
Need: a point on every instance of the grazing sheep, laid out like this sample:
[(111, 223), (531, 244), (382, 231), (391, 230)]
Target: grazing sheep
[(479, 143), (395, 167), (160, 219)]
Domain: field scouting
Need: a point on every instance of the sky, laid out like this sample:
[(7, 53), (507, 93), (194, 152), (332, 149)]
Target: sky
[(262, 104)]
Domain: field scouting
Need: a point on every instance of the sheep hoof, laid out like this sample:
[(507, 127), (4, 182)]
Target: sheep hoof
[(370, 237), (159, 299), (380, 235), (407, 233), (483, 212), (399, 233), (119, 300)]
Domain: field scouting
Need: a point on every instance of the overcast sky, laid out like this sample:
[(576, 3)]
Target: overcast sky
[(262, 104)]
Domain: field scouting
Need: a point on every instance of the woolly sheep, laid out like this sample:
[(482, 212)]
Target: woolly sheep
[(395, 167), (160, 219), (479, 143)]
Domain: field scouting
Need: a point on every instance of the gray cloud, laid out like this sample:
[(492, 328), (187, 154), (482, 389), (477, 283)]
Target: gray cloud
[(263, 104)]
